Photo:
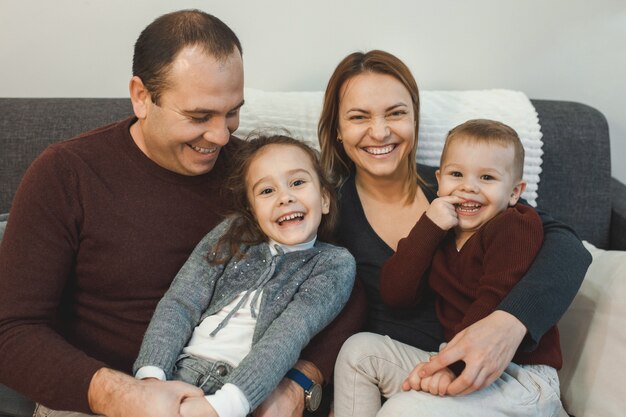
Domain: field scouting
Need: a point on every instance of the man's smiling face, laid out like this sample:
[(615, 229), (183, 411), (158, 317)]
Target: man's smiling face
[(196, 113)]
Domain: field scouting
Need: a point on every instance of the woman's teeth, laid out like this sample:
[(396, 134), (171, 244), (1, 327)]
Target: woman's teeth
[(379, 150)]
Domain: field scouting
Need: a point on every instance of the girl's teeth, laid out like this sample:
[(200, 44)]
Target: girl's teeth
[(291, 217)]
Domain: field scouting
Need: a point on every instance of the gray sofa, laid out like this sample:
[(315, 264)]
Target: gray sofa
[(575, 184)]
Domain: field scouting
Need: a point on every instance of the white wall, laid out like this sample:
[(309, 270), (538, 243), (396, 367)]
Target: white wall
[(559, 49)]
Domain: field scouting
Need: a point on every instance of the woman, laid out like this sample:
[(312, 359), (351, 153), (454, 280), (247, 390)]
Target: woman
[(368, 137)]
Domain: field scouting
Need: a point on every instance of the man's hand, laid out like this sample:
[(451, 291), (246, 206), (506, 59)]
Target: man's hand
[(487, 347), (197, 407), (287, 400), (437, 384), (116, 394)]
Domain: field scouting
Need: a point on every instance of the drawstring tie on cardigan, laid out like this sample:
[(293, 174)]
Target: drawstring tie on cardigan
[(259, 284)]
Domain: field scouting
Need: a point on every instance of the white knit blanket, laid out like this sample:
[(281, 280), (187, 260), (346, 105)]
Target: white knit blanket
[(298, 112)]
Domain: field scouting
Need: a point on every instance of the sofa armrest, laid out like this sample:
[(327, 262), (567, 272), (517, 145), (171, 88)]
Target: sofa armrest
[(618, 215)]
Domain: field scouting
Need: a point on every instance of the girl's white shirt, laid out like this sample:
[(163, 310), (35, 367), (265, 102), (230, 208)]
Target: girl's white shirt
[(231, 344)]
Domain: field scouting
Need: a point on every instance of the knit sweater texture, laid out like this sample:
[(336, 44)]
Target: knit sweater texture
[(470, 282), (307, 289), (96, 234)]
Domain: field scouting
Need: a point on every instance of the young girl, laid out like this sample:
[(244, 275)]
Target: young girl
[(256, 288)]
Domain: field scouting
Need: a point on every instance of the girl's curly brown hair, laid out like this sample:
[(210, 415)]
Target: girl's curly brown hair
[(244, 229)]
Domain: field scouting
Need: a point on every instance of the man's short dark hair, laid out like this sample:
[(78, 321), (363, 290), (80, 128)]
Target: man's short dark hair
[(161, 41)]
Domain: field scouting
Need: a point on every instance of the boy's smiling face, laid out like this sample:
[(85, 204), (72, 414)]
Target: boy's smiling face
[(482, 174)]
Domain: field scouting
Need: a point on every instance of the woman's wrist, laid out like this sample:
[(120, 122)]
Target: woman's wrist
[(516, 330)]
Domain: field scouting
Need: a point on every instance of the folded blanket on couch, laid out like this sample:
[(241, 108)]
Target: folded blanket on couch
[(299, 112)]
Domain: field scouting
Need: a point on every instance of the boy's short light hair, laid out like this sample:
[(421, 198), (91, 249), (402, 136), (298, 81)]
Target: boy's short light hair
[(491, 132)]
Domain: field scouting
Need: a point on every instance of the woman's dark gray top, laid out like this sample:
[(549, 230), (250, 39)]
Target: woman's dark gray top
[(538, 300)]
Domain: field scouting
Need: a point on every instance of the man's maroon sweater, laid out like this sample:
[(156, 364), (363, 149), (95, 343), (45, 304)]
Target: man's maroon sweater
[(96, 234)]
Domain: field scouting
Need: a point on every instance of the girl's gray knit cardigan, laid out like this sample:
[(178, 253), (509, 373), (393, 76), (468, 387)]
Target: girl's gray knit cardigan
[(307, 290)]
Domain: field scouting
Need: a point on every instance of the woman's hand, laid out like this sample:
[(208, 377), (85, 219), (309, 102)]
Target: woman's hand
[(442, 211), (487, 347)]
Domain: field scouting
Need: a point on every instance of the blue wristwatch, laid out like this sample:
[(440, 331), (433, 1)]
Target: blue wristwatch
[(312, 390)]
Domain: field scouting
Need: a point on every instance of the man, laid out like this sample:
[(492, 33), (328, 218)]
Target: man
[(102, 223)]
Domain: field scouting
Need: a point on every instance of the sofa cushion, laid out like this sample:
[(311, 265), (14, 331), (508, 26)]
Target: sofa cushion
[(593, 337)]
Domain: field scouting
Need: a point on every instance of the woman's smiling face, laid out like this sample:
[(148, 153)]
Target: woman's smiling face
[(377, 125)]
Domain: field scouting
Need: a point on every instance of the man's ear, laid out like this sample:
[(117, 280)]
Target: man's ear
[(139, 97), (517, 192)]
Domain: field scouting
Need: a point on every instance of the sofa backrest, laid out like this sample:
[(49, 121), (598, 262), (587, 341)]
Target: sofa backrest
[(574, 185), (29, 125), (575, 182)]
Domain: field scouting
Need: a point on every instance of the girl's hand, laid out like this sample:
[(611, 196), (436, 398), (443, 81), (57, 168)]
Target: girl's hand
[(442, 211)]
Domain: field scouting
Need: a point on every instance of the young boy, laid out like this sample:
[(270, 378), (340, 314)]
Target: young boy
[(471, 269)]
